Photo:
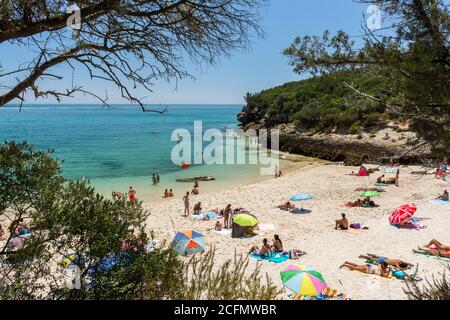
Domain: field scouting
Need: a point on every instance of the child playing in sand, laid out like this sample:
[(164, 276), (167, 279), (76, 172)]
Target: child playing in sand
[(218, 226)]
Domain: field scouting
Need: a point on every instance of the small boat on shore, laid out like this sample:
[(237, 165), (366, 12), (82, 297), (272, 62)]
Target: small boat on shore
[(206, 178)]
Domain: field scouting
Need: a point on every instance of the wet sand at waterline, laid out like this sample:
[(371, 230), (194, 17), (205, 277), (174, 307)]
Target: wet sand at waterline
[(326, 248)]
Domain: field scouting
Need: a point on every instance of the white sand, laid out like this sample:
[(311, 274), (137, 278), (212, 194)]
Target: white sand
[(314, 233)]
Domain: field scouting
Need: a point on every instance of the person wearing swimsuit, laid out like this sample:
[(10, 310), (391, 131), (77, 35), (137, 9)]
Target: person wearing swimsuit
[(186, 204), (132, 194)]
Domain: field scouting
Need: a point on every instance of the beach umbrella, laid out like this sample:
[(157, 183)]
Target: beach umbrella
[(303, 280), (301, 197), (245, 220), (188, 242), (403, 213), (370, 194)]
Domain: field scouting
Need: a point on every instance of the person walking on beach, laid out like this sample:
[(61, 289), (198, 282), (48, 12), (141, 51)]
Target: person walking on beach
[(186, 204), (132, 194)]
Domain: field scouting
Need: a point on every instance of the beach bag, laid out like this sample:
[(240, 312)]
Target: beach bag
[(355, 226), (399, 274)]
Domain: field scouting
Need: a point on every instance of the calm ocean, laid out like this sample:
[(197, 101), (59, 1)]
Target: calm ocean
[(121, 146)]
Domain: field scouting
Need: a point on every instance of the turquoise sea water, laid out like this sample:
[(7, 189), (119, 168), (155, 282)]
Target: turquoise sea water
[(121, 146)]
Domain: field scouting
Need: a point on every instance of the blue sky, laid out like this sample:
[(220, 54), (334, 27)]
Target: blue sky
[(228, 81)]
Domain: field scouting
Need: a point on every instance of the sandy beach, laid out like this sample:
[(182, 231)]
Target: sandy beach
[(326, 248)]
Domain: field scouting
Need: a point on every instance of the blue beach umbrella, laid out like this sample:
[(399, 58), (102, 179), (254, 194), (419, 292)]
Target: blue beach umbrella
[(188, 242), (301, 197)]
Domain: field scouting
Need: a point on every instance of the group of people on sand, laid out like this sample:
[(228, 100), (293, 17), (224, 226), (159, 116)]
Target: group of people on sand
[(131, 195), (268, 249), (365, 203), (396, 180), (186, 201), (19, 233), (379, 266)]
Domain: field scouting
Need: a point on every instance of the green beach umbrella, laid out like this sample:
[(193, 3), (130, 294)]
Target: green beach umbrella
[(245, 220), (370, 194)]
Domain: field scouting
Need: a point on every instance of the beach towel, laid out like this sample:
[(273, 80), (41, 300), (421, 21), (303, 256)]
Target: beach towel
[(381, 185), (209, 215), (431, 255), (223, 232), (441, 202), (327, 294), (274, 258), (410, 226)]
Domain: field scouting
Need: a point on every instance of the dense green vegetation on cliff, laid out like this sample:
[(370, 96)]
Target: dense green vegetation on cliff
[(327, 103)]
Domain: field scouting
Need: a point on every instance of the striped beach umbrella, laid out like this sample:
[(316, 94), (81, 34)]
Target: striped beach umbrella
[(303, 280), (403, 213), (188, 242)]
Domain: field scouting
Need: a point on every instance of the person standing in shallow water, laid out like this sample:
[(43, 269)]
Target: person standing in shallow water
[(186, 204), (157, 177)]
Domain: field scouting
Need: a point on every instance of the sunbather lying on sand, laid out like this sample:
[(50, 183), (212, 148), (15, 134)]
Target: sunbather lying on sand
[(286, 207), (264, 249), (380, 270), (342, 224), (355, 204), (435, 248), (397, 263)]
